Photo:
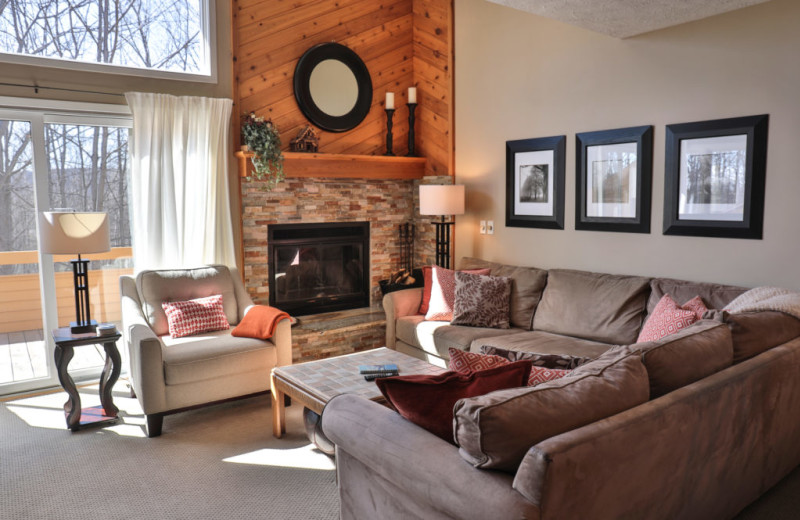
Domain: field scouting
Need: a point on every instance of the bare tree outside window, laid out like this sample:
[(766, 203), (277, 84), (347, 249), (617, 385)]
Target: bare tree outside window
[(87, 171), (16, 193), (162, 35)]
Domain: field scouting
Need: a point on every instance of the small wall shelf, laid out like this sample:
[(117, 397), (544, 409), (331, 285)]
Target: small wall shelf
[(343, 166)]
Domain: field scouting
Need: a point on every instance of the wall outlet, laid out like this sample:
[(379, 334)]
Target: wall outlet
[(490, 227), (483, 227)]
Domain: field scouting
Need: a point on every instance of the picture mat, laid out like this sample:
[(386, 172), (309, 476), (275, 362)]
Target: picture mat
[(707, 193), (609, 155), (523, 160)]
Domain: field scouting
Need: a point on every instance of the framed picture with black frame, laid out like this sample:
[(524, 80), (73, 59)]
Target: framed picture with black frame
[(535, 182), (614, 170), (714, 179)]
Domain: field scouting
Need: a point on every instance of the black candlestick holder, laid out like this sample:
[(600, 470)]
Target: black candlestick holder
[(389, 116), (411, 146)]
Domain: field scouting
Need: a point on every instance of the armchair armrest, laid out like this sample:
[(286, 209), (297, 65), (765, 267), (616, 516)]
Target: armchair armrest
[(396, 305), (428, 469), (144, 350)]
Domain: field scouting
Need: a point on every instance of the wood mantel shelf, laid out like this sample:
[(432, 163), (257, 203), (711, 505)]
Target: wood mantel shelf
[(343, 166)]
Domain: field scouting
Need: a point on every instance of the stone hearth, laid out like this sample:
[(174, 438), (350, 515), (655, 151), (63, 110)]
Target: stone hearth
[(385, 204)]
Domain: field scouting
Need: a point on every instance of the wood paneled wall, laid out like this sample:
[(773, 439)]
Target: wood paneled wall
[(402, 42), (433, 76)]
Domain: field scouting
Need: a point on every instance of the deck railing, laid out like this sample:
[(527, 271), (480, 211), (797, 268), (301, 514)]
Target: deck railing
[(21, 303)]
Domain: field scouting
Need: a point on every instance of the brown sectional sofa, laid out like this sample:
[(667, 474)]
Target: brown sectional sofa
[(716, 426)]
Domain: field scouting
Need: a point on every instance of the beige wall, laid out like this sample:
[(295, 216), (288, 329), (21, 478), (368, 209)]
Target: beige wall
[(87, 86), (521, 76)]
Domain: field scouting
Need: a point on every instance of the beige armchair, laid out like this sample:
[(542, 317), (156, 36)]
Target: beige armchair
[(168, 374)]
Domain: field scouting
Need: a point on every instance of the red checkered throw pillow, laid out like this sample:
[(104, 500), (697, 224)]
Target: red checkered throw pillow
[(195, 316), (468, 362), (668, 317)]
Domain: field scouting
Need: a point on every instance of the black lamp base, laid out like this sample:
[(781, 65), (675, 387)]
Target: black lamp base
[(443, 243), (83, 328), (83, 319)]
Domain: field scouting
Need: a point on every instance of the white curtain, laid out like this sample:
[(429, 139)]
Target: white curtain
[(179, 181)]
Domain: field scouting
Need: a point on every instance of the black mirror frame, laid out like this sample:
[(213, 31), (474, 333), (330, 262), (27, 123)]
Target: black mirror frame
[(302, 92)]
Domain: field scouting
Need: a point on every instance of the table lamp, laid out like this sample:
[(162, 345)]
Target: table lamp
[(444, 200), (64, 233)]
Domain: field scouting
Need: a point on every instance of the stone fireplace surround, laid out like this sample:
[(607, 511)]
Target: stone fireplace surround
[(385, 204)]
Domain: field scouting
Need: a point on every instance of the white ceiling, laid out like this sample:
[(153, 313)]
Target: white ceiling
[(624, 18)]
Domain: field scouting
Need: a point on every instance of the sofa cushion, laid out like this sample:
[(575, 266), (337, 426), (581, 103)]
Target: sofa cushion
[(715, 296), (195, 316), (686, 356), (454, 336), (600, 307), (668, 317), (526, 291), (468, 362), (214, 354), (756, 332), (481, 301), (157, 287), (542, 348), (427, 400), (443, 293), (494, 431)]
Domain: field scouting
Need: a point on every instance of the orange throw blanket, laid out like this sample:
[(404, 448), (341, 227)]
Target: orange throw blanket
[(259, 322)]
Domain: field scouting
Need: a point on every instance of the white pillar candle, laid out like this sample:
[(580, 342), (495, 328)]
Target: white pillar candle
[(389, 100), (412, 94)]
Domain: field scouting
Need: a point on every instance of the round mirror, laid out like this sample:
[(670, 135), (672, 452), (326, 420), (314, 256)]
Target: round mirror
[(332, 87)]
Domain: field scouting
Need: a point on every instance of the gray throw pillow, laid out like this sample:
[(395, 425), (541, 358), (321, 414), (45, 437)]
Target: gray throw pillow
[(482, 301)]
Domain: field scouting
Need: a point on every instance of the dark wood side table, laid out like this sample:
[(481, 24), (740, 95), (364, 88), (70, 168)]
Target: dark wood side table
[(77, 417)]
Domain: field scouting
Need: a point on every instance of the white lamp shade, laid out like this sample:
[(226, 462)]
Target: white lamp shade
[(447, 199), (74, 233)]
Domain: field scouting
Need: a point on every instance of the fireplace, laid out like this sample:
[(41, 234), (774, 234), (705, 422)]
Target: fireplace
[(316, 268)]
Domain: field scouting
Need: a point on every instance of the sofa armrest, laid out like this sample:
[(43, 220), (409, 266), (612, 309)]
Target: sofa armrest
[(397, 304), (428, 469), (681, 455), (144, 350)]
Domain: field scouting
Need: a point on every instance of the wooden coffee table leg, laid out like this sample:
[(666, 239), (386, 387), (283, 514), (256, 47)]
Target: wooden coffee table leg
[(278, 410)]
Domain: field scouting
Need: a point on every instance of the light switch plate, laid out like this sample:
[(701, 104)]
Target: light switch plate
[(483, 227), (490, 227)]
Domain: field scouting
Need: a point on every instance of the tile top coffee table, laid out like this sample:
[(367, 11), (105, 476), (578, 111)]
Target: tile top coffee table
[(315, 383)]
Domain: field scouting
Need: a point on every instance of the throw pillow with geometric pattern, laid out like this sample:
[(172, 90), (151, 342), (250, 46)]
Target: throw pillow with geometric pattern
[(468, 362), (195, 316), (668, 317)]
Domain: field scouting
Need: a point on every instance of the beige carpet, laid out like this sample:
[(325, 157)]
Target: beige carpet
[(217, 462)]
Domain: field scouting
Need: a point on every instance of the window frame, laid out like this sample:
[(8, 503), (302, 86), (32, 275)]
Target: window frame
[(209, 36)]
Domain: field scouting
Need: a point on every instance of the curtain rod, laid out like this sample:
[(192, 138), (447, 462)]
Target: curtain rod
[(37, 87)]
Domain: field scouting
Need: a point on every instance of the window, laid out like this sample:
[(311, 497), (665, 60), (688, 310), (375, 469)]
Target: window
[(166, 37), (65, 156)]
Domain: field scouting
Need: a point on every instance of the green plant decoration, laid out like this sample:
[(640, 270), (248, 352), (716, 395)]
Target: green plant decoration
[(262, 138)]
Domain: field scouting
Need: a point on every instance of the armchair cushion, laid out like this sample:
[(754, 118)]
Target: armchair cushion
[(157, 287), (214, 354)]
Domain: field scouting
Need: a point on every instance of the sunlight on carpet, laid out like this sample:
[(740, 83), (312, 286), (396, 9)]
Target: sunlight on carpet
[(305, 457)]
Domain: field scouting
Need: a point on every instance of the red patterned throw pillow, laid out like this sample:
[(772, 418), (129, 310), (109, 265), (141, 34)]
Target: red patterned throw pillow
[(468, 362), (428, 401), (669, 317), (443, 292), (195, 316)]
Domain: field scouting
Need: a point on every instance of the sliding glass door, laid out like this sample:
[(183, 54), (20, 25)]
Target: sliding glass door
[(56, 161)]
